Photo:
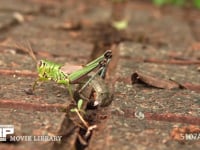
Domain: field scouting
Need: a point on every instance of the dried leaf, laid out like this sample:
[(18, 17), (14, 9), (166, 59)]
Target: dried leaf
[(138, 77), (68, 25)]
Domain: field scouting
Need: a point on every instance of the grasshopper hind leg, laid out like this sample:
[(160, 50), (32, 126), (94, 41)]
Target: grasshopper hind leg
[(89, 90), (96, 93), (90, 79)]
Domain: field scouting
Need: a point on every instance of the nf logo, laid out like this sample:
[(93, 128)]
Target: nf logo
[(5, 130)]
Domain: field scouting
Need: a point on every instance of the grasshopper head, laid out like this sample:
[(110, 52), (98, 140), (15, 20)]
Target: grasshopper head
[(41, 68), (40, 64)]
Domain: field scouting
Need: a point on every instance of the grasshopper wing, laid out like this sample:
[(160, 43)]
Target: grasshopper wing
[(70, 68)]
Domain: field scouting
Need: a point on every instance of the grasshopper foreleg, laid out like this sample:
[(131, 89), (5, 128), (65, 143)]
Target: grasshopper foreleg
[(35, 84), (31, 90), (69, 88)]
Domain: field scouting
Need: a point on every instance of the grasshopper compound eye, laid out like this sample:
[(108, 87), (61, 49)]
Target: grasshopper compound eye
[(40, 64)]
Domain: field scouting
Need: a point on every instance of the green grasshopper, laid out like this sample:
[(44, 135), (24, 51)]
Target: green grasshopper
[(52, 71)]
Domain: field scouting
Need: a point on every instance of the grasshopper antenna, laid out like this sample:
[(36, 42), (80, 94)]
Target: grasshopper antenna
[(26, 47)]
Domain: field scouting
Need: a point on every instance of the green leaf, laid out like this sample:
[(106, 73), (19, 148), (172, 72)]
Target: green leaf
[(160, 2), (118, 1), (120, 25), (80, 103), (197, 3), (73, 110), (178, 2)]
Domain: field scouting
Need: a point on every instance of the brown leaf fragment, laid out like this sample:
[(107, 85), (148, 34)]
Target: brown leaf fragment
[(68, 25), (195, 46), (138, 77), (192, 87), (198, 68)]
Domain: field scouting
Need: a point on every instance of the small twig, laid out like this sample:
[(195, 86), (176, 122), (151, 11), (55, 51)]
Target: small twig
[(90, 128), (81, 118)]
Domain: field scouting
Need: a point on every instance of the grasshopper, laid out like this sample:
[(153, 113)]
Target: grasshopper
[(52, 71), (61, 74)]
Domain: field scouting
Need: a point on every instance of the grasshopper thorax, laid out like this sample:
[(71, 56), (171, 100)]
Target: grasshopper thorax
[(41, 68), (49, 70)]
